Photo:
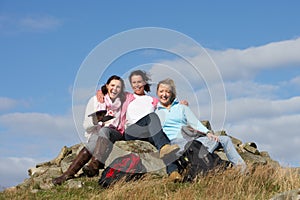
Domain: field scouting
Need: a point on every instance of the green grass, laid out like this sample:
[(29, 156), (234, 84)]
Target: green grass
[(263, 182)]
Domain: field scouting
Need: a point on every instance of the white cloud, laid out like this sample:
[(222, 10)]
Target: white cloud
[(295, 81), (37, 23), (233, 64), (36, 134), (7, 103), (277, 135), (14, 170), (241, 64), (12, 24), (272, 124), (35, 123), (243, 109), (246, 88)]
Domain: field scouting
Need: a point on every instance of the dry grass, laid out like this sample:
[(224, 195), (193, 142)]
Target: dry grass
[(262, 182)]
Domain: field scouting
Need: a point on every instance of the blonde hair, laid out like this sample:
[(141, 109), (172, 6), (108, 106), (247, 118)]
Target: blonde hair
[(169, 82)]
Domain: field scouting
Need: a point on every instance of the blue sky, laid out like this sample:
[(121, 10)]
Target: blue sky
[(254, 44)]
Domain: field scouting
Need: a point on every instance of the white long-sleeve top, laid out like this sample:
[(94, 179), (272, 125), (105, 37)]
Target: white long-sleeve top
[(112, 108), (92, 106)]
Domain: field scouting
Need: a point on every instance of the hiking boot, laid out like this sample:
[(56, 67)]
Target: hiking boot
[(81, 159), (101, 152), (168, 149), (92, 169), (175, 177)]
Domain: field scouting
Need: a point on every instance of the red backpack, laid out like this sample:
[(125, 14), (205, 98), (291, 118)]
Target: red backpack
[(128, 167)]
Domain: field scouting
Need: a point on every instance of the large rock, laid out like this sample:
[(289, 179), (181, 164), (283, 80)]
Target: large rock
[(147, 152), (41, 175), (289, 195)]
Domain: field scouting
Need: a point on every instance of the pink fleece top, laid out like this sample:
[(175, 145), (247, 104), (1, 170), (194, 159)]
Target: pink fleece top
[(129, 98)]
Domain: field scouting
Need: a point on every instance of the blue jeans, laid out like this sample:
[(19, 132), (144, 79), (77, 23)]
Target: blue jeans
[(229, 149), (225, 141), (110, 133)]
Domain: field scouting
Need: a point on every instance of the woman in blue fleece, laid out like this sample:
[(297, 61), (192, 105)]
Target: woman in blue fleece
[(174, 116)]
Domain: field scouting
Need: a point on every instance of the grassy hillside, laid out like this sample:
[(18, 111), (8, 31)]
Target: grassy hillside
[(263, 182)]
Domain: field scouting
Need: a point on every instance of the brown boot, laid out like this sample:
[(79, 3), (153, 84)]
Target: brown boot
[(92, 169), (175, 177), (168, 149), (101, 152), (81, 159)]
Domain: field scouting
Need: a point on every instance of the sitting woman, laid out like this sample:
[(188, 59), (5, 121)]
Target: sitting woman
[(174, 116), (101, 135), (141, 121)]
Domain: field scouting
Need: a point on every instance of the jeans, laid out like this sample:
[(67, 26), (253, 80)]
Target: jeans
[(225, 141), (110, 133), (229, 149), (148, 129)]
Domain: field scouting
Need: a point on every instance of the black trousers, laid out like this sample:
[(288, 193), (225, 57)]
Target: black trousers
[(148, 129)]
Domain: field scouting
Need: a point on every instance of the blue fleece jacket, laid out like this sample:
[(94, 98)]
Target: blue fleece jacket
[(177, 116)]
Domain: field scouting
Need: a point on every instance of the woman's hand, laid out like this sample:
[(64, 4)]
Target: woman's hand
[(184, 102), (100, 96), (212, 136)]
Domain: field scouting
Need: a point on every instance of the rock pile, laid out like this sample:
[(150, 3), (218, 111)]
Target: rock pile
[(41, 175)]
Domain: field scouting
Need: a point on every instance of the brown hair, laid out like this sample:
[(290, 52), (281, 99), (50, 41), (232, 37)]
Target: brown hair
[(144, 76), (122, 93)]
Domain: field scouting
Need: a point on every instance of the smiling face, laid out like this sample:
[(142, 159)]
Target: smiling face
[(138, 84), (165, 95), (114, 88)]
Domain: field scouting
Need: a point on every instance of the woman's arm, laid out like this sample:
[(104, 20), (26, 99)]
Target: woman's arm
[(196, 124), (193, 121), (100, 98), (90, 122)]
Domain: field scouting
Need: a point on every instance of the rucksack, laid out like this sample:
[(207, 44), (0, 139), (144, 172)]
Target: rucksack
[(127, 167), (197, 160)]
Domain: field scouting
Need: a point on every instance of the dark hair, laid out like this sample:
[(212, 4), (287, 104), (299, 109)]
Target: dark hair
[(122, 93), (144, 76)]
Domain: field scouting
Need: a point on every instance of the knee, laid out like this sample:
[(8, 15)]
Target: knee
[(104, 132), (224, 139), (152, 116), (154, 119)]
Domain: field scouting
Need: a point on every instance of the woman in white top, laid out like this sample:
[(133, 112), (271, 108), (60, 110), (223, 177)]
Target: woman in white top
[(101, 134), (141, 121)]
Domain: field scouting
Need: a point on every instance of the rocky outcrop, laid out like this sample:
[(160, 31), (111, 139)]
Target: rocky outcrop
[(290, 195), (41, 175), (248, 151)]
